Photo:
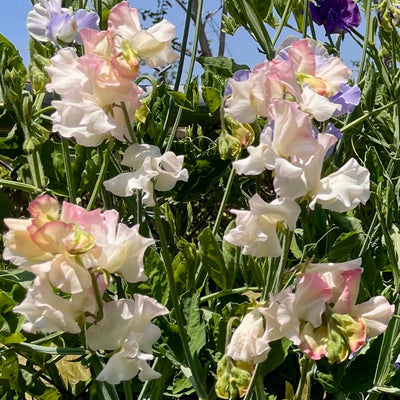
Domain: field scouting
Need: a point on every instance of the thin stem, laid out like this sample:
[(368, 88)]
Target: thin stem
[(102, 173), (68, 170), (305, 20), (222, 293), (24, 187), (224, 200), (178, 78), (283, 22), (127, 390), (253, 382), (367, 5), (97, 294), (128, 122), (366, 116), (305, 366), (189, 73), (199, 387)]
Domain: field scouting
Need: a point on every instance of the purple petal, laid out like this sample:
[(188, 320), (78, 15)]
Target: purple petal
[(349, 97), (60, 28), (331, 129), (85, 19), (239, 76)]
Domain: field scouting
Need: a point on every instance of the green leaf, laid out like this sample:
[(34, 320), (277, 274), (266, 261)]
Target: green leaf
[(180, 100), (54, 350), (9, 368), (212, 98), (195, 326), (212, 259), (345, 246), (276, 356)]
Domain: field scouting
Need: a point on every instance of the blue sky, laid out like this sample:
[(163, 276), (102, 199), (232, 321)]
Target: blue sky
[(241, 47)]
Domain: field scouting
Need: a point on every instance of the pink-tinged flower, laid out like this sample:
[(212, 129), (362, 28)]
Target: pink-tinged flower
[(290, 135), (48, 21), (340, 191), (130, 334), (151, 170), (302, 72), (347, 326), (88, 110), (63, 244), (250, 341), (153, 44), (255, 230), (111, 64)]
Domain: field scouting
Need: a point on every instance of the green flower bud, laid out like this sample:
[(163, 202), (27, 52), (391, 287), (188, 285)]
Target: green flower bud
[(229, 147)]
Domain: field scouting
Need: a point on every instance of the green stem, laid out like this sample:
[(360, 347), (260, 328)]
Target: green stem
[(189, 73), (367, 5), (305, 366), (97, 294), (253, 382), (199, 386), (127, 390), (285, 17), (305, 20), (178, 75), (222, 293), (25, 187), (287, 239), (68, 170), (224, 200), (366, 116), (128, 122), (102, 173)]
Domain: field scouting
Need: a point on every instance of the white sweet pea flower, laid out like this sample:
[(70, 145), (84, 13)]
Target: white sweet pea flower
[(250, 341), (130, 333), (47, 312), (255, 230), (151, 171), (340, 191)]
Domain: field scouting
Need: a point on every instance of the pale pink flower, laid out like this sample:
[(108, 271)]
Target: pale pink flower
[(290, 136), (302, 72), (87, 110), (255, 229), (130, 334), (153, 44)]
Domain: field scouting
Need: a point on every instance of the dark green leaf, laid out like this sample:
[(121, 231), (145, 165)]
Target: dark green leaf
[(212, 259)]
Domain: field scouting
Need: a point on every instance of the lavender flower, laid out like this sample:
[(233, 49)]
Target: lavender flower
[(337, 16), (48, 21), (239, 76)]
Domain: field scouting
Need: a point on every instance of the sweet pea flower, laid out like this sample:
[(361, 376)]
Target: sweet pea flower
[(87, 110), (130, 334), (337, 16), (302, 72), (255, 229), (250, 341), (348, 97), (63, 243), (47, 312), (151, 170), (290, 135), (48, 21), (153, 44), (340, 191)]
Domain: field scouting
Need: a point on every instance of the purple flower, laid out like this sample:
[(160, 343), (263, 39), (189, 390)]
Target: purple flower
[(337, 16), (349, 97)]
